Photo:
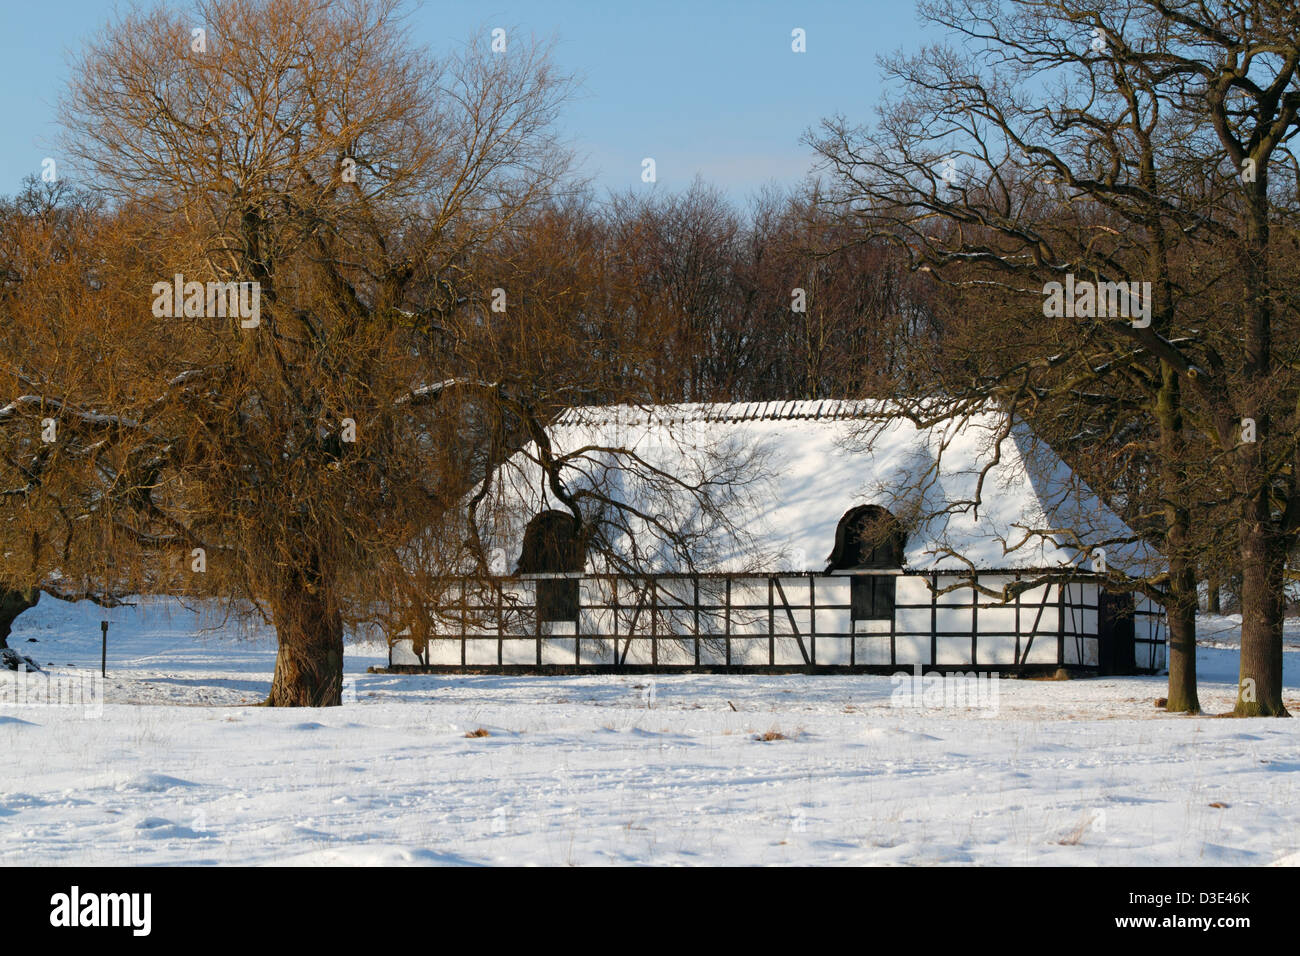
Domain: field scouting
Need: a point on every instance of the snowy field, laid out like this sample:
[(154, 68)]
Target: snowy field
[(179, 766)]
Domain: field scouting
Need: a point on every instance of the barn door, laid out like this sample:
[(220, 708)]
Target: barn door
[(1115, 632), (872, 597)]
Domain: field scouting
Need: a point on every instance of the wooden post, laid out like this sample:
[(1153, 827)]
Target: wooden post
[(501, 621), (695, 581), (1018, 592), (771, 624), (1060, 624), (812, 618), (853, 629), (726, 628), (103, 648), (893, 628), (934, 620), (654, 621)]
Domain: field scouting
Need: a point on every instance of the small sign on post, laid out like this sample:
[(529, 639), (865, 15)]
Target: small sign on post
[(103, 648)]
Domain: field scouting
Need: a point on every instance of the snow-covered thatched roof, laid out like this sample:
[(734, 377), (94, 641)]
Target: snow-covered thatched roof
[(763, 486)]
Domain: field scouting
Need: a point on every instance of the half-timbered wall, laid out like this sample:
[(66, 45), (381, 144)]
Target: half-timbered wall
[(779, 621)]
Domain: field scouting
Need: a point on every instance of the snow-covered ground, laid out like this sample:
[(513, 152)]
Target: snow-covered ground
[(178, 766)]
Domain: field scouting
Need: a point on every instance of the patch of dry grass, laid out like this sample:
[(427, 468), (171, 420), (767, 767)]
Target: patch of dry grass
[(1074, 837)]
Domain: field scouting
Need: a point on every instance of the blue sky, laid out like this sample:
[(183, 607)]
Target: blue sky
[(709, 87)]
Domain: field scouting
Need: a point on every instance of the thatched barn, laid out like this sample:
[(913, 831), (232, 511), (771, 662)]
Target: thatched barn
[(800, 536)]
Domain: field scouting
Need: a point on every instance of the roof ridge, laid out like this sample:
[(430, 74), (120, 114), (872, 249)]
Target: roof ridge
[(817, 409)]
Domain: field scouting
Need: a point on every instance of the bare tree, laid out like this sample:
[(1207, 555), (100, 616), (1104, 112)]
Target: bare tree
[(54, 538), (1107, 142), (299, 195)]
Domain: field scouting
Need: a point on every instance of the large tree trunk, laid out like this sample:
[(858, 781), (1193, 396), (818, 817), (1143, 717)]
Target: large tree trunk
[(309, 665), (12, 603), (1181, 614), (1263, 551), (1263, 561)]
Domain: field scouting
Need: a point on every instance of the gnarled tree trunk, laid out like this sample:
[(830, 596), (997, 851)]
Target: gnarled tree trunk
[(12, 603), (309, 665)]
